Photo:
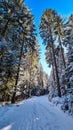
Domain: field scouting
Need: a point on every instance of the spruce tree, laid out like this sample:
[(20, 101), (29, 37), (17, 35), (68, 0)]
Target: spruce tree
[(47, 33)]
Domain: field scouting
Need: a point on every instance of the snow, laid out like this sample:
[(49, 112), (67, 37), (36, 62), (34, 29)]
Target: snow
[(36, 113), (57, 101)]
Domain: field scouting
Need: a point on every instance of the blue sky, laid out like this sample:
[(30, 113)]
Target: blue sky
[(63, 7)]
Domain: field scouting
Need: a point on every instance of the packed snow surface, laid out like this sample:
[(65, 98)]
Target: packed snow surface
[(36, 113)]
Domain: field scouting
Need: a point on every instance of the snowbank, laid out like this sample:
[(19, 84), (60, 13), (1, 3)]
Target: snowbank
[(65, 103)]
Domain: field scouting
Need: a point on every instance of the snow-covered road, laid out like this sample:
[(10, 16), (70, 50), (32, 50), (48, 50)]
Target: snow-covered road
[(36, 113)]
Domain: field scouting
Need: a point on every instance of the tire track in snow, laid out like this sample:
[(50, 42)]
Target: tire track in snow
[(41, 120), (49, 125)]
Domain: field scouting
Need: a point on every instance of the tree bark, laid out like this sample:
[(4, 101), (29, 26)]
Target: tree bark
[(62, 53), (54, 79), (56, 70), (17, 76), (4, 32)]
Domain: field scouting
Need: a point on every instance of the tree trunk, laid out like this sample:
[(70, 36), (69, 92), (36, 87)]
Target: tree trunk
[(6, 26), (54, 79), (53, 70), (17, 76), (30, 72), (62, 53), (56, 70), (3, 34), (4, 97)]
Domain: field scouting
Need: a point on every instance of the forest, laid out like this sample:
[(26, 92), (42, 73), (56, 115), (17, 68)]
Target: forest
[(21, 72)]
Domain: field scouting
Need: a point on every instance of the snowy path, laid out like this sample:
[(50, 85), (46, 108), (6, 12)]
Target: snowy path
[(34, 114)]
